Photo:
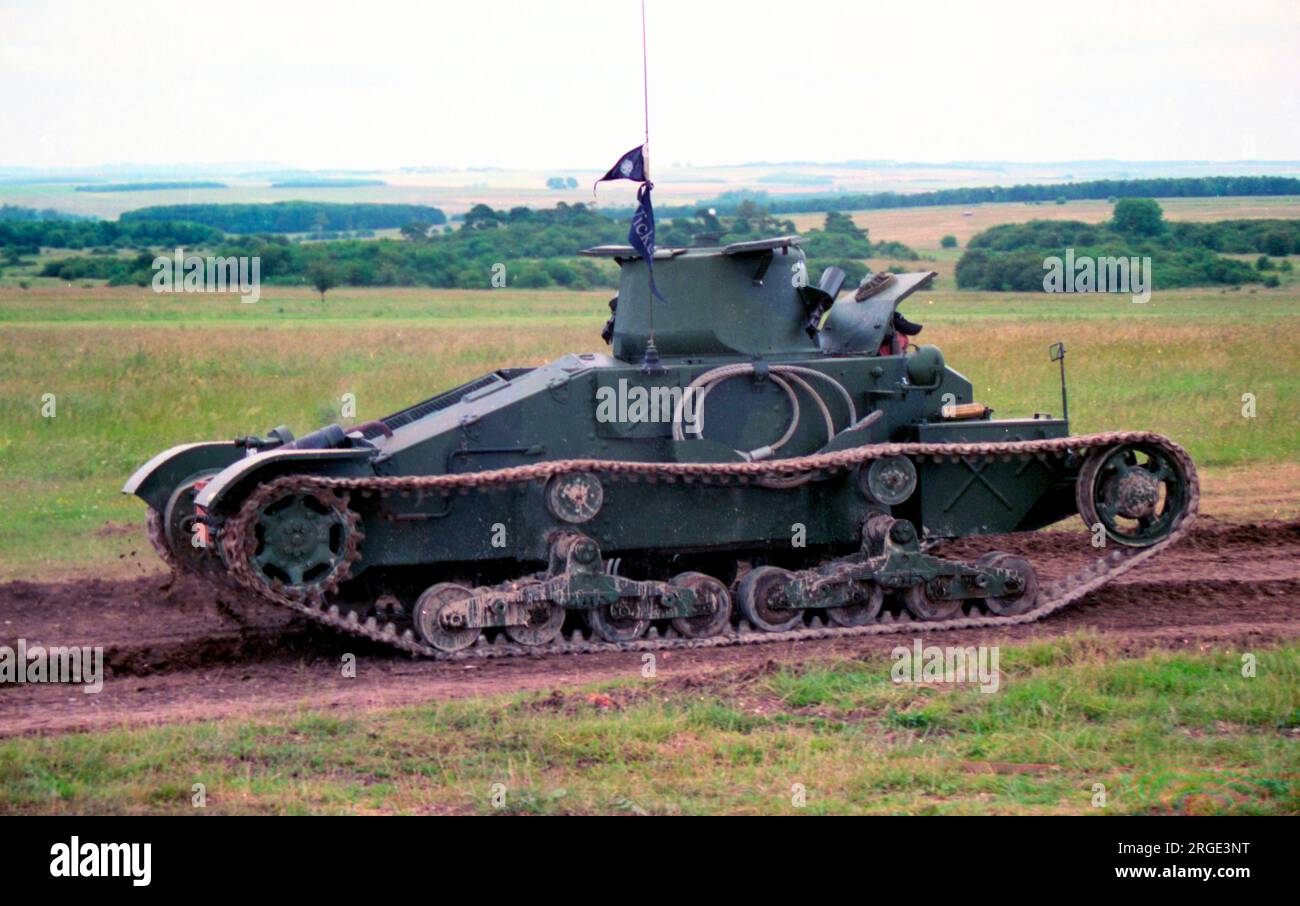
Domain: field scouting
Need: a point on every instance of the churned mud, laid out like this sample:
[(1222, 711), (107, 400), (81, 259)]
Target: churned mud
[(175, 651)]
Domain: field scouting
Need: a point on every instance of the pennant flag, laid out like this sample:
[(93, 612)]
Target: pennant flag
[(642, 234), (630, 166)]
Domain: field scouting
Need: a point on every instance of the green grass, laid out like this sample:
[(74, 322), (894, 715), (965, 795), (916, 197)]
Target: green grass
[(1163, 733), (55, 303), (133, 373)]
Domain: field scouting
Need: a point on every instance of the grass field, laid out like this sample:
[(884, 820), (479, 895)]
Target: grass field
[(923, 228), (1163, 733), (133, 372)]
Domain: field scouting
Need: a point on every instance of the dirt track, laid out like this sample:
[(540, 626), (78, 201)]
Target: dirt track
[(173, 653)]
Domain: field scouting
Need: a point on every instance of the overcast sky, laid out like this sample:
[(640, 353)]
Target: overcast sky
[(557, 84)]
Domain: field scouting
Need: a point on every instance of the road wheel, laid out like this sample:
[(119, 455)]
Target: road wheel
[(1020, 602), (923, 605), (862, 613), (615, 629), (719, 616), (544, 622), (762, 599), (427, 617)]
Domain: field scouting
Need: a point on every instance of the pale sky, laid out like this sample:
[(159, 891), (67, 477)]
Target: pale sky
[(557, 84)]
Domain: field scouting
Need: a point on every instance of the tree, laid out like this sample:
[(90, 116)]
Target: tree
[(481, 217), (839, 222), (1277, 243), (948, 242), (757, 217), (1138, 217), (415, 231), (709, 218), (322, 275)]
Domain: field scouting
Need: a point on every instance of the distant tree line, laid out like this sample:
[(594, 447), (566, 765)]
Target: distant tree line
[(527, 247), (292, 216), (28, 236), (1010, 256), (840, 242), (326, 182), (1182, 187), (147, 186), (520, 247), (15, 212)]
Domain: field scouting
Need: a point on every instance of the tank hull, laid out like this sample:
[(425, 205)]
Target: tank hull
[(525, 417), (786, 460)]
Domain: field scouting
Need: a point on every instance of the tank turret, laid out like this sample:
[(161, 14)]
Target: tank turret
[(751, 299), (738, 299)]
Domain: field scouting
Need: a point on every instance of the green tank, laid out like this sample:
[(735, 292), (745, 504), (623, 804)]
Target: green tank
[(758, 458)]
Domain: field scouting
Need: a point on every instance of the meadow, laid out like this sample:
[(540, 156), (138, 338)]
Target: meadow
[(924, 228), (132, 372), (1163, 733)]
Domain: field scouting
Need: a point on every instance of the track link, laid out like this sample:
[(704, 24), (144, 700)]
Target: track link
[(237, 535)]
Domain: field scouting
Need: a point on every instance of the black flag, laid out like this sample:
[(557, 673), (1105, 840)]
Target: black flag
[(630, 166), (642, 234)]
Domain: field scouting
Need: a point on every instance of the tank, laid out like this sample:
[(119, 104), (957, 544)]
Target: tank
[(758, 457)]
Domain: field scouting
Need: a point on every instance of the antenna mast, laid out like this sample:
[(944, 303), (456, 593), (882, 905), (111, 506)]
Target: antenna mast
[(645, 91), (650, 359)]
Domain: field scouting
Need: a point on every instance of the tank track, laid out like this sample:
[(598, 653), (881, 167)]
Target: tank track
[(237, 536)]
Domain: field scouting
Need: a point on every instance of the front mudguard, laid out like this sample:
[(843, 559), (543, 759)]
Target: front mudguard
[(154, 481), (226, 491)]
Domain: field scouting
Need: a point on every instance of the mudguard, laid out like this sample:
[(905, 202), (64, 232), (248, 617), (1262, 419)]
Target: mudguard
[(154, 481), (276, 462)]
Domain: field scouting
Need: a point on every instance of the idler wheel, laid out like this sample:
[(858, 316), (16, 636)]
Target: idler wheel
[(859, 614), (1136, 492), (429, 614), (1022, 601), (762, 599), (719, 616)]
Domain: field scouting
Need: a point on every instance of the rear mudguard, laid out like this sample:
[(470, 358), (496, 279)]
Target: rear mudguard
[(154, 481), (227, 489)]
